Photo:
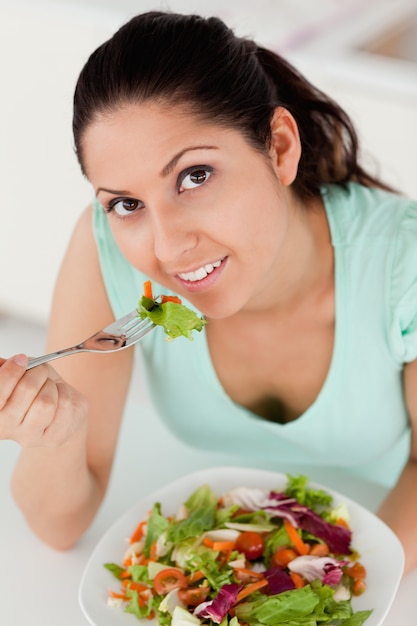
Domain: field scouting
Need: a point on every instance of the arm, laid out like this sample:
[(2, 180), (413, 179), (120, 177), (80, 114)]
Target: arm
[(61, 481), (399, 509)]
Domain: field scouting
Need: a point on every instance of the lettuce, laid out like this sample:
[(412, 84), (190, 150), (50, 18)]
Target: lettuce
[(176, 319), (201, 506), (216, 574), (297, 487), (156, 525), (310, 605), (115, 569)]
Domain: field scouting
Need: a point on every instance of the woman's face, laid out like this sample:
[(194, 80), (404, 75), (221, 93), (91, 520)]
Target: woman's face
[(190, 204)]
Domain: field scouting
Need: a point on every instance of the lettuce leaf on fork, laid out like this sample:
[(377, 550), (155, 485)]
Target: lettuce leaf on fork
[(175, 318)]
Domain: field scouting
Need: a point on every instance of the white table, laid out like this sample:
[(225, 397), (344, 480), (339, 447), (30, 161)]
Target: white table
[(39, 587)]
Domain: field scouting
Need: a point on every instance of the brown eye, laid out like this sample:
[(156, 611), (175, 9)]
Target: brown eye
[(195, 178), (124, 206)]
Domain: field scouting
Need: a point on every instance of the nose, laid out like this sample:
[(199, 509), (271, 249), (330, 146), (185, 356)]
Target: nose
[(173, 235)]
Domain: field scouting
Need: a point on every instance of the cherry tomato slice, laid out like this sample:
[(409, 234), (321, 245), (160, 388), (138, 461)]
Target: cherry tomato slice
[(251, 544), (168, 579), (193, 596)]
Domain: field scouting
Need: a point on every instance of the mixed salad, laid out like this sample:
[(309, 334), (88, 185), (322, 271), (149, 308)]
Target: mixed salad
[(251, 557), (169, 312)]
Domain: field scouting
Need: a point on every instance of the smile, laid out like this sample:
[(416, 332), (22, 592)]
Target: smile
[(201, 272)]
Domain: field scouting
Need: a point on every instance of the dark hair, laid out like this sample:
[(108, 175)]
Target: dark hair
[(199, 62)]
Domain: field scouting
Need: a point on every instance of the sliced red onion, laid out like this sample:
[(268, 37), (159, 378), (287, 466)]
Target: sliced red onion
[(326, 568)]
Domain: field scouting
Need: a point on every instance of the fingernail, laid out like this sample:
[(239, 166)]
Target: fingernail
[(20, 359)]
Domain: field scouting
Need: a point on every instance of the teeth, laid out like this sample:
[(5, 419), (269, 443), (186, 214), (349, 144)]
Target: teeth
[(201, 273)]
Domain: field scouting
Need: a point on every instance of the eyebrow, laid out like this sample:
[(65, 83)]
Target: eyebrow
[(115, 192), (165, 171), (172, 163)]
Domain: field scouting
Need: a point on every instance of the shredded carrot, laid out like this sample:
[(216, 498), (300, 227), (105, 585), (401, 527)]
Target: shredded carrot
[(359, 587), (174, 299), (147, 289), (195, 577), (250, 589), (208, 542), (357, 570), (297, 580), (223, 546), (282, 556), (342, 522), (141, 601), (249, 572), (127, 562), (118, 596), (152, 552), (126, 574), (299, 545), (129, 584), (220, 546), (319, 549), (138, 533)]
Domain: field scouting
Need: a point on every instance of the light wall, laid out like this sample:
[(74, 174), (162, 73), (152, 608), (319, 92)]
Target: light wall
[(42, 190)]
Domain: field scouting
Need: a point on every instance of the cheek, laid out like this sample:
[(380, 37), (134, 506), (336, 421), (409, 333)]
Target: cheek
[(265, 220), (134, 244)]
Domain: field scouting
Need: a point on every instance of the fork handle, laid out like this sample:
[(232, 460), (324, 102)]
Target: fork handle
[(45, 358)]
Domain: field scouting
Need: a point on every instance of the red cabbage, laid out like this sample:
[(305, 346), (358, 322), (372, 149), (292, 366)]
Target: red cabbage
[(219, 607), (278, 581), (337, 537)]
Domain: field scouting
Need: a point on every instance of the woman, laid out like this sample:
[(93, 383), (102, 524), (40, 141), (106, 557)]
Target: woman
[(224, 176)]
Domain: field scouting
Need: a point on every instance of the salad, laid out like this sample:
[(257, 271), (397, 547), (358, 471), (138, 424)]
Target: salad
[(252, 557), (169, 312)]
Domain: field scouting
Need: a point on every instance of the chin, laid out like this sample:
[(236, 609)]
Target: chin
[(218, 309)]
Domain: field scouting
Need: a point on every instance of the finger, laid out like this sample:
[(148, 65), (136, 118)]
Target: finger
[(16, 404), (11, 371), (19, 359), (55, 416), (70, 414), (39, 415)]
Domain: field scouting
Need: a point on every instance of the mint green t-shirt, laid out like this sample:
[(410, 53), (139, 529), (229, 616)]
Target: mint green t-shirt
[(358, 421)]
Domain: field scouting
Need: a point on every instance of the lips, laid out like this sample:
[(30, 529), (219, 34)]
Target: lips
[(201, 272)]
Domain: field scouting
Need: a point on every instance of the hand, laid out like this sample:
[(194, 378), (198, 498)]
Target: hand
[(37, 407)]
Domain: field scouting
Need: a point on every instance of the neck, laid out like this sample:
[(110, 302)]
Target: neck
[(305, 267)]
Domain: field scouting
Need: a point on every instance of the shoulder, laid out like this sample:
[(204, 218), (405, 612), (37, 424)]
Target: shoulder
[(359, 214), (375, 232), (403, 287)]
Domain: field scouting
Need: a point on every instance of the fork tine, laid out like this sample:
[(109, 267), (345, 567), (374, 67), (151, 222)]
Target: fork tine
[(136, 326), (139, 331), (118, 325), (131, 325)]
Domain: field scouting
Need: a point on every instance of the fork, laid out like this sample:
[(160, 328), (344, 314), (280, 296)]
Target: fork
[(121, 334)]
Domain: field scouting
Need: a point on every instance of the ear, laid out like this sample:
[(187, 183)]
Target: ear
[(285, 150)]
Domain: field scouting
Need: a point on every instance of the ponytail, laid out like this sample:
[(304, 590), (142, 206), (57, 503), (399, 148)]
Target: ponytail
[(330, 145)]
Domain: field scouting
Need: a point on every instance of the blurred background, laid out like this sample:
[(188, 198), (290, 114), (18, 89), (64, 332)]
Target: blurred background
[(363, 53)]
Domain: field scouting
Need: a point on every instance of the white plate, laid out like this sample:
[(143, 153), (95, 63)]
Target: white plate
[(380, 550)]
